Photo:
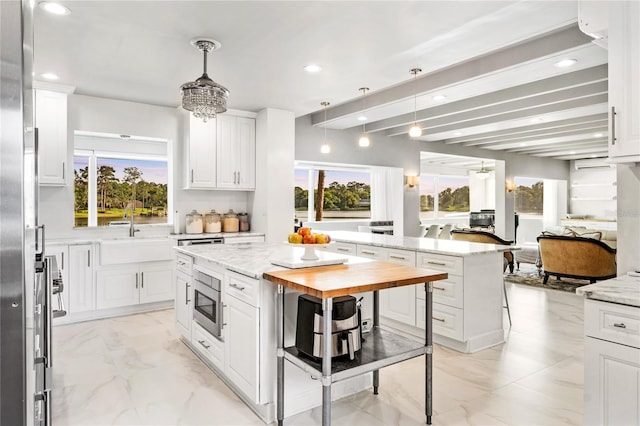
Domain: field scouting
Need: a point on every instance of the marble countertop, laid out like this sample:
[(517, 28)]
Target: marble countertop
[(253, 259), (215, 235), (623, 289), (426, 245)]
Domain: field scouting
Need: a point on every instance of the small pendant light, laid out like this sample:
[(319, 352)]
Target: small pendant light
[(325, 148), (415, 131), (364, 138)]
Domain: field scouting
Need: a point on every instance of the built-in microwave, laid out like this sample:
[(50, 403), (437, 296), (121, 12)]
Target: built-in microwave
[(207, 306)]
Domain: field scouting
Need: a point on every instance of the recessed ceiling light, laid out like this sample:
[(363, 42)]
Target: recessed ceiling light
[(523, 144), (565, 63), (597, 135), (593, 155), (362, 118), (313, 68), (457, 133), (536, 119), (54, 8), (439, 98), (572, 152), (49, 76)]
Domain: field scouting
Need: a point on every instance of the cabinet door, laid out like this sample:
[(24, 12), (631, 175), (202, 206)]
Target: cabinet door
[(611, 383), (183, 305), (227, 152), (156, 283), (201, 154), (399, 303), (241, 336), (62, 258), (51, 121), (624, 78), (117, 287), (80, 288), (246, 152)]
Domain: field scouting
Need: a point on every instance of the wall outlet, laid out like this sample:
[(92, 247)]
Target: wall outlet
[(367, 323)]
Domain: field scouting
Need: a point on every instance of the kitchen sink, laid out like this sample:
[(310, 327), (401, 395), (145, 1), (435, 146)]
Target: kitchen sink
[(134, 250)]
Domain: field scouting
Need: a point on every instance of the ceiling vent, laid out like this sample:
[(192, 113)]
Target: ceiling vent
[(592, 163)]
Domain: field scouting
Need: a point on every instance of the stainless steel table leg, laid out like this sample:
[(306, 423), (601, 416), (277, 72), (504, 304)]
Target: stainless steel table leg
[(429, 356), (376, 322), (327, 312), (280, 354)]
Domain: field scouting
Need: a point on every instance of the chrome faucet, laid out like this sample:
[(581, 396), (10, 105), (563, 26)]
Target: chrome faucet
[(132, 230)]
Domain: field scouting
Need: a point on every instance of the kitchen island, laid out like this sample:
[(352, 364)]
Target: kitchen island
[(467, 306), (612, 351)]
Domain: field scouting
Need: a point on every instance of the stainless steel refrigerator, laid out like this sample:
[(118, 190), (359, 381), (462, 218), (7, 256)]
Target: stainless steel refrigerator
[(24, 359)]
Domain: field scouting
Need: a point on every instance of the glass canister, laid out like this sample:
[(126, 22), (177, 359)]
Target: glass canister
[(194, 223), (230, 222), (212, 223), (244, 222)]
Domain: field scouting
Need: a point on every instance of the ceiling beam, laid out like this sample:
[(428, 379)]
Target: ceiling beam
[(548, 148), (545, 45), (557, 134), (600, 154), (570, 152)]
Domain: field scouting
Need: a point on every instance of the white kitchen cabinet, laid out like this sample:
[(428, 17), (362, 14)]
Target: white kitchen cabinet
[(611, 364), (207, 345), (624, 80), (201, 154), (80, 288), (236, 152), (134, 284), (183, 304), (241, 333), (61, 253), (51, 122)]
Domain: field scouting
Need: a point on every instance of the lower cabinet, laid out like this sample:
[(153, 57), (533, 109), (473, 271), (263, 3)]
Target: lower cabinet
[(611, 364), (210, 347), (134, 284), (183, 304), (80, 286), (241, 345)]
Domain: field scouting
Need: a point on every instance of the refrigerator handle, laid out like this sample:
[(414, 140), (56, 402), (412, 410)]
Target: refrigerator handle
[(48, 315), (39, 246)]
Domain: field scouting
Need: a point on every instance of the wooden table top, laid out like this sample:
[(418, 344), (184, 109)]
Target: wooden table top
[(340, 280)]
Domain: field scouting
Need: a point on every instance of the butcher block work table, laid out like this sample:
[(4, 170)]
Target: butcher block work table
[(380, 348)]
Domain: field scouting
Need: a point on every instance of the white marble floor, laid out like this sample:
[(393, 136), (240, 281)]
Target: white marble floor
[(134, 371)]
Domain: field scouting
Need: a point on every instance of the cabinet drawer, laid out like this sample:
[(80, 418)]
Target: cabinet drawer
[(184, 263), (451, 264), (371, 252), (401, 257), (244, 288), (612, 322), (447, 292), (447, 321), (343, 248), (207, 345)]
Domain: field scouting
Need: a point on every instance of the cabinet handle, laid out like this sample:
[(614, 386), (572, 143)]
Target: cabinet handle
[(613, 125), (202, 343), (238, 178), (438, 288), (62, 267), (88, 258), (619, 325), (142, 279), (342, 249), (437, 319), (236, 286), (186, 294), (436, 263), (367, 252), (397, 257), (136, 280), (63, 170), (191, 175)]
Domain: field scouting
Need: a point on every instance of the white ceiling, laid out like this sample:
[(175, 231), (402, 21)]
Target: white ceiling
[(139, 51)]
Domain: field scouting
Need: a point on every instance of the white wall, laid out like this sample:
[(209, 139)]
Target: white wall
[(593, 192), (112, 116), (628, 246)]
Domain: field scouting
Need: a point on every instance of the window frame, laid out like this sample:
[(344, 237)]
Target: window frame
[(436, 196)]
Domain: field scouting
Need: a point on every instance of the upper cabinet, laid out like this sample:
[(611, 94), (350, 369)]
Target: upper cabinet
[(624, 81), (51, 122), (236, 152), (221, 153)]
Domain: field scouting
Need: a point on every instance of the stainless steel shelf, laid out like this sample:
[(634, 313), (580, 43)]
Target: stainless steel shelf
[(381, 348)]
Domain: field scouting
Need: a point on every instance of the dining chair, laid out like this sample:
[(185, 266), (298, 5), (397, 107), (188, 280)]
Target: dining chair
[(445, 232), (432, 232)]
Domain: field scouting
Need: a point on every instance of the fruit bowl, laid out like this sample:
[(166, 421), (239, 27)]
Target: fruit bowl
[(309, 250), (305, 238)]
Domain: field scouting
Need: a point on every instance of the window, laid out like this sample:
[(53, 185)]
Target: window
[(111, 177), (346, 193), (442, 196), (529, 196)]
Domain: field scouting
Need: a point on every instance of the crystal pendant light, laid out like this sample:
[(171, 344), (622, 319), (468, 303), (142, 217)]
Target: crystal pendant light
[(415, 131), (325, 148), (204, 97), (364, 138)]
